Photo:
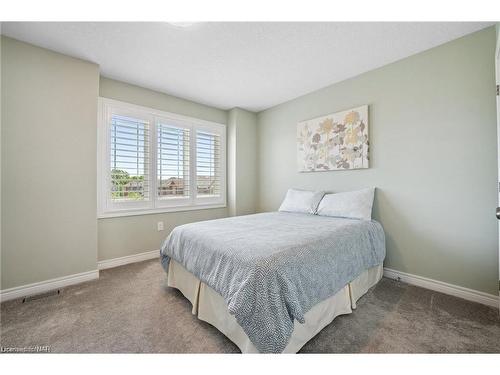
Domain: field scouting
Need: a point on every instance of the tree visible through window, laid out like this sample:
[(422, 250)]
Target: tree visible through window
[(129, 158)]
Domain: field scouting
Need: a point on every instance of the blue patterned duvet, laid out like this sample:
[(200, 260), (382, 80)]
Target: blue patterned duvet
[(271, 268)]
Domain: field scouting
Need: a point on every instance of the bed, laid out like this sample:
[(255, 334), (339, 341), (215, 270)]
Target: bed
[(270, 282)]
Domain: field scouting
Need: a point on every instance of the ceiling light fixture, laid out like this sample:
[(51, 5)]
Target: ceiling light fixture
[(182, 25)]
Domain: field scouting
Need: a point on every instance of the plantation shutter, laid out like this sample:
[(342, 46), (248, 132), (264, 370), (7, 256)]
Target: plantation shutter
[(172, 162), (152, 161), (129, 159), (208, 164)]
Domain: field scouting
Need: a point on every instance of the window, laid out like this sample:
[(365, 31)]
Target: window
[(207, 164), (173, 162), (151, 161), (129, 159)]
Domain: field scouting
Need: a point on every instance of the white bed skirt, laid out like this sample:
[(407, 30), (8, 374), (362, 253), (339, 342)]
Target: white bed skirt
[(210, 307)]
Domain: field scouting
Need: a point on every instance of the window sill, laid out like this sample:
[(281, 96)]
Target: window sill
[(106, 215)]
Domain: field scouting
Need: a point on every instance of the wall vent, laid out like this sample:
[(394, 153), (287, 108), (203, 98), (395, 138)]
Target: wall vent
[(42, 295)]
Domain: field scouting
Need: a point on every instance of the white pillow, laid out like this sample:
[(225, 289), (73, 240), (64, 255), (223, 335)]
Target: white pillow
[(303, 201), (353, 204)]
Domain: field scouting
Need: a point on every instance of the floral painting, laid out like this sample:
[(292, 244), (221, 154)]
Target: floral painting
[(333, 142)]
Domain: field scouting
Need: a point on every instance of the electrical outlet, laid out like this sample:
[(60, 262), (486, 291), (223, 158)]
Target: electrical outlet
[(160, 226)]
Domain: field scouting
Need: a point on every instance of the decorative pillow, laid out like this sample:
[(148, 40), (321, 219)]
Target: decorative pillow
[(353, 204), (303, 201)]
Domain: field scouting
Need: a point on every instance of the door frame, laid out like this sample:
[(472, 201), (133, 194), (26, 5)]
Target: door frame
[(497, 81)]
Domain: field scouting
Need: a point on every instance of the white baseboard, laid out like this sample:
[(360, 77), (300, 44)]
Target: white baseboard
[(439, 286), (45, 286), (110, 263), (61, 282)]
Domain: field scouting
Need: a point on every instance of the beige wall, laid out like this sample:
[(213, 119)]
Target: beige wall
[(49, 110), (122, 236), (433, 158), (242, 162)]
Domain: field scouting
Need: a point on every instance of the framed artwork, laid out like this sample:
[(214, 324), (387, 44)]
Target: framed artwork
[(334, 142)]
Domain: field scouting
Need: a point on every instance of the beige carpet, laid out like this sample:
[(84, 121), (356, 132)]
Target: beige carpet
[(130, 309)]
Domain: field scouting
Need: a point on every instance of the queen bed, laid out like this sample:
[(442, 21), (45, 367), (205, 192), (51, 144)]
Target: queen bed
[(271, 281)]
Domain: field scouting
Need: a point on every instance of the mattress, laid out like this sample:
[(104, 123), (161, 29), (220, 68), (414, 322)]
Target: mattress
[(210, 307)]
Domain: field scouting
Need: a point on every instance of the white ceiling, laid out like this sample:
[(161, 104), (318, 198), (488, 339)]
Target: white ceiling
[(248, 65)]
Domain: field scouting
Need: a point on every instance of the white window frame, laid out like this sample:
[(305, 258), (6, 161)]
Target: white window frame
[(106, 207)]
